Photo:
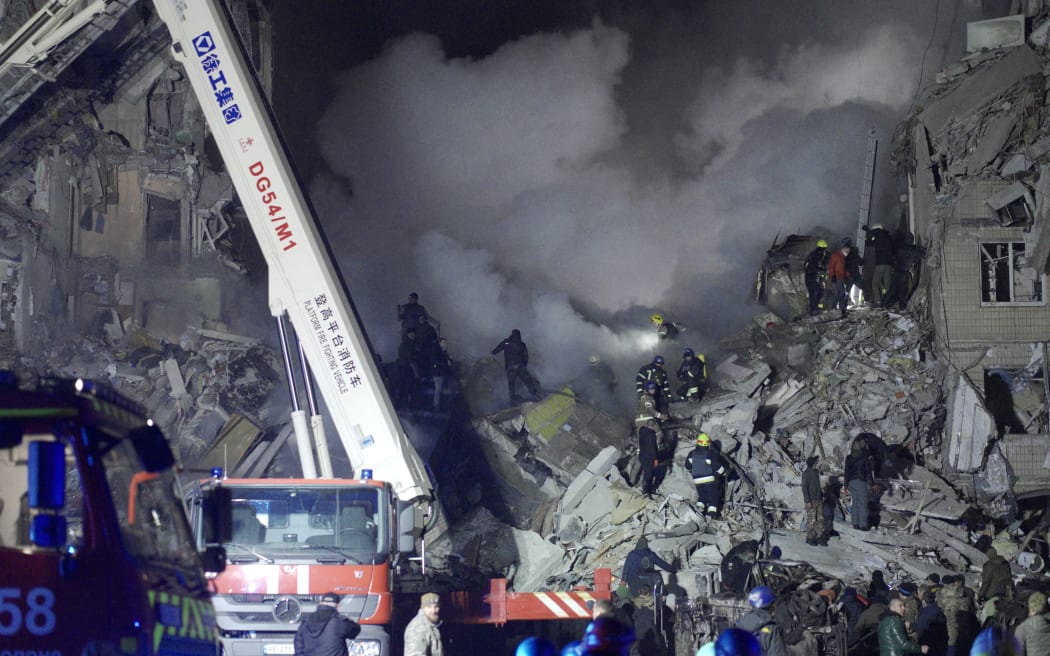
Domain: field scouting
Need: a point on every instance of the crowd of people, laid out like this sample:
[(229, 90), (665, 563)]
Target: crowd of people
[(885, 276)]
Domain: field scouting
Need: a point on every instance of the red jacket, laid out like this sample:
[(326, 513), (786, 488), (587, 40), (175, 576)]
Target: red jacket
[(837, 267)]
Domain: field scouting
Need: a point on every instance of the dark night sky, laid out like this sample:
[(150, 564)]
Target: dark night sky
[(567, 168)]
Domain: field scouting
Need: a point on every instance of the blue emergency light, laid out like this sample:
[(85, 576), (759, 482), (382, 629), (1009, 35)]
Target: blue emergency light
[(366, 474)]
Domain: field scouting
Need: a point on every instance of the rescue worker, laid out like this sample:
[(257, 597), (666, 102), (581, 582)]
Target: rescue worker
[(649, 406), (407, 376), (1033, 634), (855, 289), (959, 614), (840, 278), (324, 632), (737, 566), (442, 370), (692, 374), (666, 330), (906, 264), (996, 578), (931, 626), (648, 454), (858, 480), (814, 499), (515, 362), (422, 635), (706, 468), (654, 371), (879, 247), (759, 622), (816, 270), (639, 568), (411, 312), (893, 639)]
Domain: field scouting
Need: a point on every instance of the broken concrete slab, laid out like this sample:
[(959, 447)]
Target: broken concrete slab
[(980, 87)]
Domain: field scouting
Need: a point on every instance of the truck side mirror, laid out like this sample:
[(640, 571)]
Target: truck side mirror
[(216, 516), (152, 448), (406, 527), (213, 559), (47, 493)]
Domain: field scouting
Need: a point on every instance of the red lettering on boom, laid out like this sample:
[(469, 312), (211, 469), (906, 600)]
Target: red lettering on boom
[(262, 184)]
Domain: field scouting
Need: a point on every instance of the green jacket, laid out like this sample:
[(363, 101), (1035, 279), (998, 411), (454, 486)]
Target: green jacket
[(893, 640)]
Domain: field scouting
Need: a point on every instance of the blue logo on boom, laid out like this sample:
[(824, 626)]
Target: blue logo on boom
[(204, 46)]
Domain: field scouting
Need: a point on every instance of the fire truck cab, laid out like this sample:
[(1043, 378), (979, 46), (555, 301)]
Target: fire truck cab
[(95, 548)]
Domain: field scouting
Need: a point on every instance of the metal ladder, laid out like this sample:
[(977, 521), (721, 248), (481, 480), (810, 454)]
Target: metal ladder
[(865, 190)]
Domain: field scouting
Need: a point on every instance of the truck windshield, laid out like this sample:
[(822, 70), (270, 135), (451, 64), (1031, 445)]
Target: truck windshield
[(152, 524), (308, 522)]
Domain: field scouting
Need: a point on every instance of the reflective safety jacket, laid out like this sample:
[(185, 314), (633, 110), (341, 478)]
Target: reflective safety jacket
[(656, 374), (704, 465)]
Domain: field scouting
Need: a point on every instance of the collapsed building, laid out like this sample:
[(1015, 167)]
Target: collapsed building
[(117, 217)]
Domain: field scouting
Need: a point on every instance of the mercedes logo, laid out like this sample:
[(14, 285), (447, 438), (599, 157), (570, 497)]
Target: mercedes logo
[(287, 609)]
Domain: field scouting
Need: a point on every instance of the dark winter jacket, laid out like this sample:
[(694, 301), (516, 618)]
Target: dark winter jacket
[(642, 560), (704, 464), (324, 633), (857, 468), (932, 629), (880, 245), (759, 622), (816, 265), (658, 375), (647, 448), (515, 353), (811, 486), (996, 579), (893, 639), (853, 608)]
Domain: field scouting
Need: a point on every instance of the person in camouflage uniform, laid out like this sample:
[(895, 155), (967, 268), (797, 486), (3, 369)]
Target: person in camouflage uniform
[(907, 591), (958, 607), (422, 637)]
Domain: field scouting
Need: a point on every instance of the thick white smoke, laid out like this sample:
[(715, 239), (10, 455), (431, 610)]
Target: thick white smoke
[(518, 191)]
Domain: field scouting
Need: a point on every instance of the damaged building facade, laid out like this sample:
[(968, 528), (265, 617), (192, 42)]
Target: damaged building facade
[(117, 217), (975, 155)]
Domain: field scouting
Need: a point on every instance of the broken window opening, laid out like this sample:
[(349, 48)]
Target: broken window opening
[(1013, 206), (1016, 398), (163, 229), (1007, 277)]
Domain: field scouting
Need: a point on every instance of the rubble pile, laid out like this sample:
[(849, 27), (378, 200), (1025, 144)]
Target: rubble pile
[(783, 392)]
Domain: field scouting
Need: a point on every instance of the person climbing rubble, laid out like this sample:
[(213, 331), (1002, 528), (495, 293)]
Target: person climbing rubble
[(737, 566), (650, 407), (667, 331), (411, 313), (515, 362), (639, 568), (759, 622), (959, 612), (858, 481), (814, 499), (707, 471), (831, 507), (996, 578), (816, 273), (653, 372), (879, 248), (840, 278), (692, 374), (649, 455), (855, 291)]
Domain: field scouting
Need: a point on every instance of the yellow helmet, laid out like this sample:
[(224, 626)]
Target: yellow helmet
[(703, 439), (822, 243), (657, 319)]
